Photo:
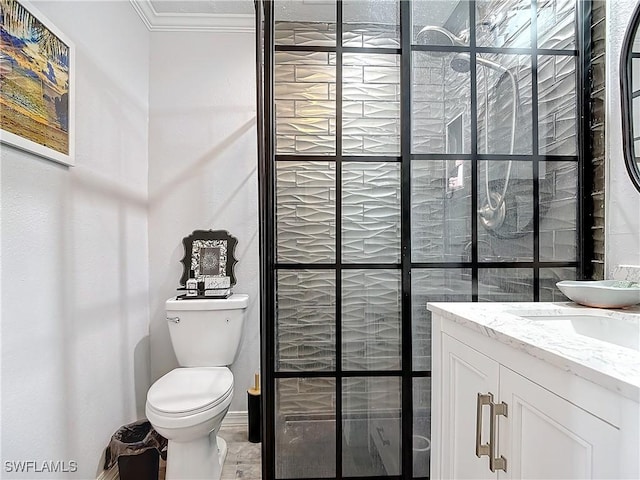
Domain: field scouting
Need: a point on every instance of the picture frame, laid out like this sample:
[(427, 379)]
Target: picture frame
[(37, 68), (211, 255)]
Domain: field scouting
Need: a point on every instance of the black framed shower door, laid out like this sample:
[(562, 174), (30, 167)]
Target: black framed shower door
[(404, 157)]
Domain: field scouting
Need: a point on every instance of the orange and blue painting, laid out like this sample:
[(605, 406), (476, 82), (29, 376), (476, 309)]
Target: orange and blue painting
[(34, 79)]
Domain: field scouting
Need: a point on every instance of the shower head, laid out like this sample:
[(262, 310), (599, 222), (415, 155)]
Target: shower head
[(438, 36), (461, 63)]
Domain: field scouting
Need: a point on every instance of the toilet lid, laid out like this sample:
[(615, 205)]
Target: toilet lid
[(187, 390)]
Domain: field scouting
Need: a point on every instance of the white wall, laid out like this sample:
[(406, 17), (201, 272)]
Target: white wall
[(622, 214), (75, 360), (202, 174)]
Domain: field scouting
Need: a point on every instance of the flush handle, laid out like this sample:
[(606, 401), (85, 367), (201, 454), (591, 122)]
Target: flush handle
[(173, 319)]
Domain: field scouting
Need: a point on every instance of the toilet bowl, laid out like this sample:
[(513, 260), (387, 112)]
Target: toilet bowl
[(188, 404)]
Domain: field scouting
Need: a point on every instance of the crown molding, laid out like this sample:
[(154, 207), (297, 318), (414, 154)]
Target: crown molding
[(192, 22)]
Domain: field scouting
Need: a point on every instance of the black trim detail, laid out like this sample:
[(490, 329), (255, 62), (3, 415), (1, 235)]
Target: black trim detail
[(535, 147), (584, 215), (338, 268), (474, 152), (405, 238), (266, 183)]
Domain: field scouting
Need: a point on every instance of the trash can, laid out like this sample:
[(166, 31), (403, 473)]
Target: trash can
[(137, 448), (254, 408)]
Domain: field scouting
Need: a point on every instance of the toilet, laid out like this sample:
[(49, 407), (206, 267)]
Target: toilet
[(187, 405)]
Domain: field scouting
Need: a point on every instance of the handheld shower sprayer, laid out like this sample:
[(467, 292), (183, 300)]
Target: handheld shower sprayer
[(493, 213)]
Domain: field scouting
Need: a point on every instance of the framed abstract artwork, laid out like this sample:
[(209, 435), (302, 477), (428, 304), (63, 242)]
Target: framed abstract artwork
[(37, 93)]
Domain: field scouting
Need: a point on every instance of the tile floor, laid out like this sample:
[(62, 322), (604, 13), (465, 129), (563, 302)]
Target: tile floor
[(243, 458)]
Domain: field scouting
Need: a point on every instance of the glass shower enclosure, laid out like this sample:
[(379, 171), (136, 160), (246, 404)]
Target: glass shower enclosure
[(410, 152)]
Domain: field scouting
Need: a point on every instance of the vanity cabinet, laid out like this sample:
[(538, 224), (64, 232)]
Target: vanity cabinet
[(465, 374), (535, 420), (546, 436)]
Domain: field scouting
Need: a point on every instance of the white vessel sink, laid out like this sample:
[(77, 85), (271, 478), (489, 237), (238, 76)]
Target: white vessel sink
[(601, 293), (618, 331)]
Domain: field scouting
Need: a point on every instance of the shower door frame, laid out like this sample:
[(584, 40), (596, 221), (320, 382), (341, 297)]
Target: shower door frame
[(265, 65)]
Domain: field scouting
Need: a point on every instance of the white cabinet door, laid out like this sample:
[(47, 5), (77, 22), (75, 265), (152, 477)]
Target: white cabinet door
[(465, 373), (547, 437)]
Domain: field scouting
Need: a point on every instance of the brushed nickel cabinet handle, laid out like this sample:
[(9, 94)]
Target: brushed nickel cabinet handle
[(483, 399), (495, 410)]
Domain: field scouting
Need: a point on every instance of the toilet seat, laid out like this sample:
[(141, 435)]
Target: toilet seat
[(188, 396)]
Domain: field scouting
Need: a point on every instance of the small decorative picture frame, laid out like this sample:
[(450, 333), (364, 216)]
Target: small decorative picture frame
[(211, 255)]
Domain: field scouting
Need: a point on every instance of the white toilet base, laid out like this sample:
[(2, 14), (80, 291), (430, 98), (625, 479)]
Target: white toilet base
[(222, 448), (199, 459)]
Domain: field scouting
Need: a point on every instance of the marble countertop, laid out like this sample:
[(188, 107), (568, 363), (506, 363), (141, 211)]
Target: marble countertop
[(612, 366)]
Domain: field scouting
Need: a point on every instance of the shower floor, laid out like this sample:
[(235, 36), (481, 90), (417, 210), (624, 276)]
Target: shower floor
[(307, 448)]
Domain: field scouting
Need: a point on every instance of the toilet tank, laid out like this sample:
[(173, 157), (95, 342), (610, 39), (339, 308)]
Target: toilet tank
[(206, 332)]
